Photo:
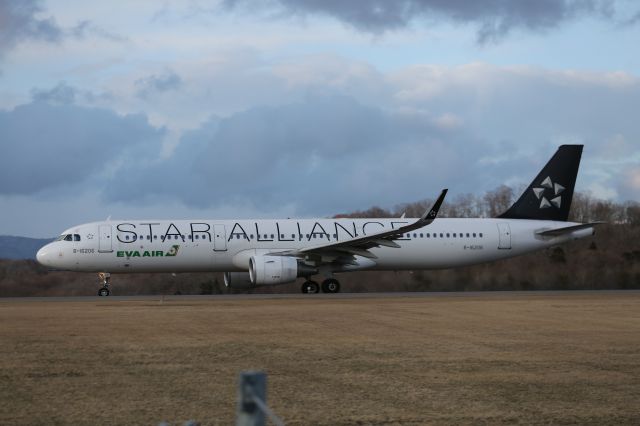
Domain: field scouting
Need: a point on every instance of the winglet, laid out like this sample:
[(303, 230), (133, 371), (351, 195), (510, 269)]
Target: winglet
[(430, 216)]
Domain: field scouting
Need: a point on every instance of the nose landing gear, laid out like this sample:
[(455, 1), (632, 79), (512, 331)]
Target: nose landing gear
[(105, 277)]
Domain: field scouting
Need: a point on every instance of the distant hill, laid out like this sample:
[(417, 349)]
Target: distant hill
[(20, 247)]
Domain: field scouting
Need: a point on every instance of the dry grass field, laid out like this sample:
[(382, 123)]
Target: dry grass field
[(487, 359)]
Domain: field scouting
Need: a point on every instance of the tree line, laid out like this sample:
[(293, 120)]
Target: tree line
[(584, 207)]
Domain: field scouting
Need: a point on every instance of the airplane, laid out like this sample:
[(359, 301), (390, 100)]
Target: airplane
[(254, 253)]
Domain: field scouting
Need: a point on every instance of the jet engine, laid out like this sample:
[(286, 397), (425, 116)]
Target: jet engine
[(273, 269), (265, 270), (268, 270), (239, 280)]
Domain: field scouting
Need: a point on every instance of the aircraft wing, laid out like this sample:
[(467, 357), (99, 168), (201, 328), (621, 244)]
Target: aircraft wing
[(344, 251)]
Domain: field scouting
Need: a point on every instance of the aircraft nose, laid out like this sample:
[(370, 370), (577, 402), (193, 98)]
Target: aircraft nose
[(44, 256)]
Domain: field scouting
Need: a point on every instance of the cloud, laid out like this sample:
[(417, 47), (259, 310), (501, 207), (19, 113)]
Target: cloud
[(470, 128), (20, 20), (60, 94), (494, 19), (86, 28), (46, 146), (152, 84), (64, 94), (323, 154), (27, 20)]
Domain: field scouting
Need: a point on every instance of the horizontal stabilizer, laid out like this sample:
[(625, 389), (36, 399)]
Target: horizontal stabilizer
[(567, 229)]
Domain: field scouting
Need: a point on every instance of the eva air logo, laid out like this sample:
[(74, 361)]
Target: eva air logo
[(549, 194), (173, 251)]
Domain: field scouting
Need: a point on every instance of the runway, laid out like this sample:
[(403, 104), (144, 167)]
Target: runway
[(322, 296)]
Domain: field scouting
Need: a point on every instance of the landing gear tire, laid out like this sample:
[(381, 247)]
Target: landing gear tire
[(105, 277), (310, 287), (331, 286)]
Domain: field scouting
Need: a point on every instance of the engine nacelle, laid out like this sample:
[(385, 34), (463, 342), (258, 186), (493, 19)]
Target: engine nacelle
[(239, 280), (273, 269)]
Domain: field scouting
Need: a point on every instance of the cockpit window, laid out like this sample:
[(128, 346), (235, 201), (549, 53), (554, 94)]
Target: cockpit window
[(69, 237)]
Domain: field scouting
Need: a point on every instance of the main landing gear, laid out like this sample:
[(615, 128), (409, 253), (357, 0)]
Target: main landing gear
[(330, 285), (105, 277)]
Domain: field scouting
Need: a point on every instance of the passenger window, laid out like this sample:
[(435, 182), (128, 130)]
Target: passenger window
[(474, 235), (155, 237), (272, 236), (415, 235), (335, 236), (467, 235), (441, 235), (480, 234), (293, 236), (447, 235)]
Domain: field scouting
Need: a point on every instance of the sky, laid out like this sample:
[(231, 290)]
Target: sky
[(304, 108)]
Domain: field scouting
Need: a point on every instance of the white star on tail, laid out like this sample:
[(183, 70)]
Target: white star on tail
[(545, 185)]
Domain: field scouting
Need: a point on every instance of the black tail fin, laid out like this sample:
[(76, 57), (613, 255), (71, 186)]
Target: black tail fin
[(549, 195)]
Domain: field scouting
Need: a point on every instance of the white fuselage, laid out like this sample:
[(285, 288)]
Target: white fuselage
[(227, 245)]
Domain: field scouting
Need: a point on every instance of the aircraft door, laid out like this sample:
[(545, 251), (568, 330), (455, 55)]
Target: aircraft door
[(105, 243), (504, 239), (219, 238)]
